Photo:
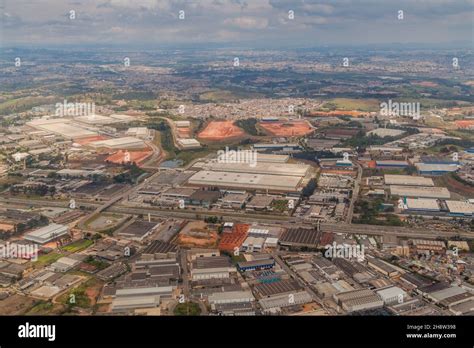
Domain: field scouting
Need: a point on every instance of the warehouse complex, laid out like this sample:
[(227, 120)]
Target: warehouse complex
[(47, 234)]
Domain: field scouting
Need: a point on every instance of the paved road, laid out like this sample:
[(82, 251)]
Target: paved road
[(355, 192), (269, 219), (184, 275)]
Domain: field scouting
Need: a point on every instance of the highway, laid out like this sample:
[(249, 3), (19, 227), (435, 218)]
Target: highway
[(285, 221)]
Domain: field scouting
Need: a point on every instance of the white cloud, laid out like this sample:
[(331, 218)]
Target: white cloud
[(247, 22)]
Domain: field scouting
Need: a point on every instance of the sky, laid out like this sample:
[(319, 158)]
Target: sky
[(256, 23)]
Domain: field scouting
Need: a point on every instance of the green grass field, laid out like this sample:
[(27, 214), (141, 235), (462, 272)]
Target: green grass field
[(78, 246), (48, 259), (354, 104), (189, 308)]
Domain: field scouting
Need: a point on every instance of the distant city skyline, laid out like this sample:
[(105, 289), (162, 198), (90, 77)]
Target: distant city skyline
[(259, 23)]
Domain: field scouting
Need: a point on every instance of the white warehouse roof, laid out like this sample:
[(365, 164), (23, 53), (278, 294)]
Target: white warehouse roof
[(407, 180), (420, 191), (245, 181), (460, 207), (288, 169), (422, 204), (47, 233)]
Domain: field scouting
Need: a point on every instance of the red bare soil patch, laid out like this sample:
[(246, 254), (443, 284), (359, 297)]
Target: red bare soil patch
[(85, 141), (220, 130), (135, 156), (287, 129), (465, 123)]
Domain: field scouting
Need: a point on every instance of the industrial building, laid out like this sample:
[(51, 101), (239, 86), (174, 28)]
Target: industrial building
[(460, 208), (357, 300), (231, 297), (283, 147), (407, 180), (187, 144), (419, 191), (435, 169), (277, 183), (253, 244), (159, 250), (138, 230), (47, 234), (65, 264), (256, 265), (275, 303), (265, 168), (391, 164), (421, 205), (130, 299), (392, 295), (129, 143), (138, 132), (259, 203), (382, 267), (423, 246), (216, 267), (300, 237), (277, 288), (62, 126)]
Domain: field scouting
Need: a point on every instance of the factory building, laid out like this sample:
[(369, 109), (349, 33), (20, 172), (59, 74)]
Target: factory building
[(421, 205), (231, 297), (274, 304), (283, 147), (392, 295), (265, 168), (356, 300), (419, 192), (435, 169), (382, 267), (47, 234), (391, 164), (187, 144), (256, 265), (407, 180), (460, 209), (216, 267), (129, 143), (274, 183)]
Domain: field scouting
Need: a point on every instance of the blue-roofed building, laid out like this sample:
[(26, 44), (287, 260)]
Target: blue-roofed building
[(471, 150), (435, 169), (256, 265)]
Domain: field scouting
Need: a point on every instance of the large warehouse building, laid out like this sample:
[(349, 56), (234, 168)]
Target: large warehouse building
[(409, 180), (421, 205), (262, 176), (47, 234), (460, 208), (129, 143), (286, 169), (61, 126), (246, 181), (419, 191)]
